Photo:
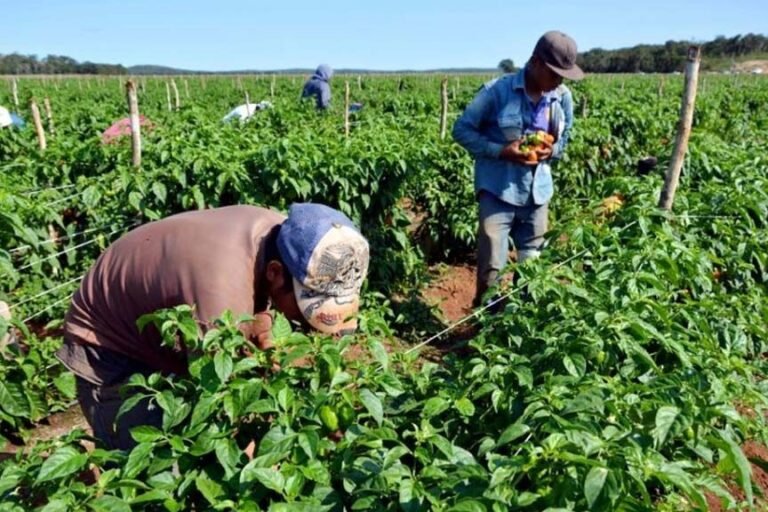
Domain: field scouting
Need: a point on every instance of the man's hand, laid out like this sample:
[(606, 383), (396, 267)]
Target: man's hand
[(259, 330), (544, 152), (512, 153)]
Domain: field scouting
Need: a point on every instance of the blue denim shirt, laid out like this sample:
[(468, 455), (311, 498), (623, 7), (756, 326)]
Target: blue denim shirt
[(501, 113)]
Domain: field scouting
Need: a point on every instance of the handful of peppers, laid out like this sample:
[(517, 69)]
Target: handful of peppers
[(533, 141)]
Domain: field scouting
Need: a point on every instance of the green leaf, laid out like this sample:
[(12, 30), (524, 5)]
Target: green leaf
[(210, 489), (149, 496), (570, 367), (737, 459), (281, 328), (379, 353), (109, 504), (665, 417), (594, 483), (309, 440), (372, 404), (56, 506), (228, 454), (465, 407), (63, 462), (160, 191), (146, 434), (12, 399), (514, 431), (468, 505), (65, 383), (138, 459), (174, 409), (223, 364), (268, 477), (434, 406)]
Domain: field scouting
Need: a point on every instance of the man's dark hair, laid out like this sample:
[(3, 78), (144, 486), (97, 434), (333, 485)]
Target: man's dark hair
[(272, 253)]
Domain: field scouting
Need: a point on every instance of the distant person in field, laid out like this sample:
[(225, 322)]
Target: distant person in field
[(309, 266), (319, 87), (514, 184)]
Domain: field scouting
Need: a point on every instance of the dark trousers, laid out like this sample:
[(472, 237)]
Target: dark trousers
[(100, 405)]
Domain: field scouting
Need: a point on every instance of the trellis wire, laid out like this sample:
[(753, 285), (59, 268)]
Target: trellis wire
[(499, 299)]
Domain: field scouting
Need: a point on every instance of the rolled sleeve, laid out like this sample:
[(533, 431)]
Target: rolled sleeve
[(466, 130)]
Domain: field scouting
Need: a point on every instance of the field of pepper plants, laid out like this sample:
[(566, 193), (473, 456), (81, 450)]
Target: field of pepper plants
[(626, 371)]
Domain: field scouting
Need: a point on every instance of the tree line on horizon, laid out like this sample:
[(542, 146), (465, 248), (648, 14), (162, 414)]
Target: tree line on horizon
[(671, 56), (661, 58)]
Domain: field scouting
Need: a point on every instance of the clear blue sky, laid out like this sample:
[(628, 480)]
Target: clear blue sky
[(390, 34)]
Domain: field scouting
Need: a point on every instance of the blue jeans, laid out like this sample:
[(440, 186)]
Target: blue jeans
[(499, 220)]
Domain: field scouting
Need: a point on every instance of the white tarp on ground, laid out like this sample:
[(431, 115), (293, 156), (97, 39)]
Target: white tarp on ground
[(5, 118), (245, 111)]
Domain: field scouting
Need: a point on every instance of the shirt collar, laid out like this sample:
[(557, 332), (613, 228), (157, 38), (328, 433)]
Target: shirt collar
[(518, 83)]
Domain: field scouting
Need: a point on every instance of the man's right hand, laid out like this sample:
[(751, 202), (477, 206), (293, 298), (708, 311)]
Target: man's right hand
[(512, 153)]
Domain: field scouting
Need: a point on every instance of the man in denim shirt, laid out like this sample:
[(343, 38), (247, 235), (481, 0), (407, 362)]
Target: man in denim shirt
[(513, 193)]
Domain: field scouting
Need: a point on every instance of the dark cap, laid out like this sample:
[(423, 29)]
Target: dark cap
[(558, 51)]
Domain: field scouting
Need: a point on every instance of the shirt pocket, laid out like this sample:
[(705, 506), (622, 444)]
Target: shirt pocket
[(511, 125)]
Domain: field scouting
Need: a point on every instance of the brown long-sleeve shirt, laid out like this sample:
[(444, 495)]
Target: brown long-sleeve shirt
[(210, 259)]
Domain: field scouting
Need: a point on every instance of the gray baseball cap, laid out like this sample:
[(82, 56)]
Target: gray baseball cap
[(558, 51)]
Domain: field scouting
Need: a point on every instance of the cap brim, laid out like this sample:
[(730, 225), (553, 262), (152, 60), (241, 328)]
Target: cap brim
[(325, 313), (574, 73)]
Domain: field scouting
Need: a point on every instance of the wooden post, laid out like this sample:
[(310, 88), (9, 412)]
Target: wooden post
[(49, 115), (15, 90), (5, 314), (584, 106), (247, 104), (168, 96), (346, 108), (661, 87), (175, 93), (272, 88), (38, 125), (186, 89), (444, 107), (672, 177), (359, 83), (133, 108)]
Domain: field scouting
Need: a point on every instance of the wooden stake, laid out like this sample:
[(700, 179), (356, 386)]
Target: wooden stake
[(186, 89), (15, 90), (444, 107), (168, 96), (359, 83), (346, 108), (661, 87), (272, 88), (133, 108), (49, 115), (175, 93), (672, 177), (38, 125), (247, 104), (5, 314)]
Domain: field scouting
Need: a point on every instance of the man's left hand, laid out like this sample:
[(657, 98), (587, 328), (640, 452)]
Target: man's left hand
[(544, 152)]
